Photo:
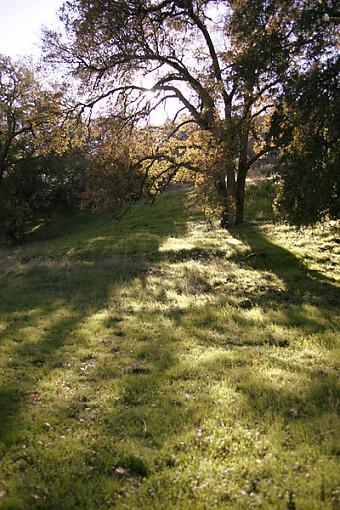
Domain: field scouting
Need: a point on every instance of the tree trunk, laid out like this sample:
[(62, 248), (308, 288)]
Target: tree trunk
[(241, 182), (241, 175), (1, 179), (232, 190), (228, 188), (240, 190)]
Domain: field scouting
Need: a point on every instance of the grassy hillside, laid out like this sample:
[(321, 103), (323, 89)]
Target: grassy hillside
[(162, 363)]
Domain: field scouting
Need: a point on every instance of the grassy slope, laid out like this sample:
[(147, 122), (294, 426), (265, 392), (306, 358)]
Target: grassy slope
[(161, 363)]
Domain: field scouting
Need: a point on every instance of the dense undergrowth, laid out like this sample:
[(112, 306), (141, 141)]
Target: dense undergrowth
[(160, 362)]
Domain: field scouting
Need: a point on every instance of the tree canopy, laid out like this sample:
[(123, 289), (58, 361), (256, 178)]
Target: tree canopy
[(32, 121), (226, 63), (309, 162), (34, 133)]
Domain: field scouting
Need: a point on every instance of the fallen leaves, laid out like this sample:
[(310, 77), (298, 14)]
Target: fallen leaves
[(120, 472), (294, 412), (35, 398), (132, 369), (226, 496), (135, 368)]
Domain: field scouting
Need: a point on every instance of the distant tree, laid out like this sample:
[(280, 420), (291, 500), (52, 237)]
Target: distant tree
[(112, 176), (225, 62)]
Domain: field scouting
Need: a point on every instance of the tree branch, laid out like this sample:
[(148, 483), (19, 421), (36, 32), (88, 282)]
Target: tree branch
[(257, 156), (262, 110), (214, 58)]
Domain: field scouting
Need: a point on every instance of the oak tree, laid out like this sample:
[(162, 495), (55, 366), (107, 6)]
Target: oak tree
[(224, 62)]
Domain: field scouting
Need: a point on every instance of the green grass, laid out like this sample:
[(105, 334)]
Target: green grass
[(163, 363)]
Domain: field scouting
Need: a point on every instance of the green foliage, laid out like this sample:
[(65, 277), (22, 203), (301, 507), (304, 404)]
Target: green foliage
[(112, 176), (36, 188), (310, 161), (30, 115), (111, 180)]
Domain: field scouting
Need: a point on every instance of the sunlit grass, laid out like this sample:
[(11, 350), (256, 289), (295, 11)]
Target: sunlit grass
[(160, 362)]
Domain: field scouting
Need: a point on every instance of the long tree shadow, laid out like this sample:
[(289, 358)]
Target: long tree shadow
[(301, 284)]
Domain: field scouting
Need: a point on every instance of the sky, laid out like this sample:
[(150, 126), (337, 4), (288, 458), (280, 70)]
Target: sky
[(21, 22), (20, 35)]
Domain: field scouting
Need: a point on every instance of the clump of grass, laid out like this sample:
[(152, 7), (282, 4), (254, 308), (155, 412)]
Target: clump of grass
[(161, 362)]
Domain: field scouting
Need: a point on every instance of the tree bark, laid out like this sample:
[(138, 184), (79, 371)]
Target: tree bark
[(241, 175), (232, 189), (2, 170), (228, 185), (241, 182)]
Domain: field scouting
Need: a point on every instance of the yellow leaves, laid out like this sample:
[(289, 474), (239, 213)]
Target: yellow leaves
[(227, 56), (36, 111)]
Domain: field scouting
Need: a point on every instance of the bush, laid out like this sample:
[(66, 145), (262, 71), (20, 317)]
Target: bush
[(34, 189)]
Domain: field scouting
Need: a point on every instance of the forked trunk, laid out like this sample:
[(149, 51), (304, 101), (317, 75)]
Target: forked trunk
[(232, 190), (233, 205), (233, 196)]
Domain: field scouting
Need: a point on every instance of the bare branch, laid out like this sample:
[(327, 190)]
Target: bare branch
[(214, 58), (257, 156), (177, 128), (256, 114)]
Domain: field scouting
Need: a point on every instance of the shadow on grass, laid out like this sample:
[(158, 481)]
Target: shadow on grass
[(46, 301), (303, 285), (284, 399), (80, 287), (127, 405)]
